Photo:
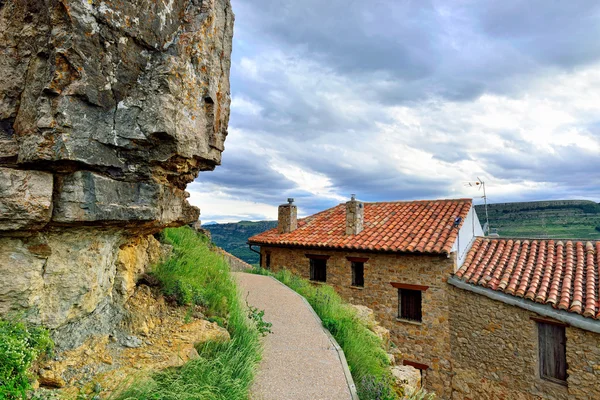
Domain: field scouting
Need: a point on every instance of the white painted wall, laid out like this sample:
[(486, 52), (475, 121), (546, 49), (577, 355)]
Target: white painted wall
[(470, 229)]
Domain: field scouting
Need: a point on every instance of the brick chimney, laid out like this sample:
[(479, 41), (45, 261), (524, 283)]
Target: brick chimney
[(287, 220), (355, 216)]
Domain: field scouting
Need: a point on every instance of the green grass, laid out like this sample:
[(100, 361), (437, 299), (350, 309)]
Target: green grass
[(20, 345), (364, 351), (196, 275)]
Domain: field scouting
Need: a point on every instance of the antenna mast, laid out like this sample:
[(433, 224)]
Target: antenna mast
[(481, 184)]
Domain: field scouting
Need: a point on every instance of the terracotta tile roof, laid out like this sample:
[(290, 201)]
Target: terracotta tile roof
[(413, 226), (562, 273)]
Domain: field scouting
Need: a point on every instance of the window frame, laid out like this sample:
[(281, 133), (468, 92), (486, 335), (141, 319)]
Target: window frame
[(313, 268), (546, 331), (402, 304), (268, 260), (413, 287), (359, 260), (354, 265)]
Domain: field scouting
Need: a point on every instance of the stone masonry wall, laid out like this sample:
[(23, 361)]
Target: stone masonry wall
[(495, 354), (427, 342)]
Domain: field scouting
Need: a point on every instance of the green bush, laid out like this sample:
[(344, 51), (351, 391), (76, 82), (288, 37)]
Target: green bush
[(196, 275), (20, 345)]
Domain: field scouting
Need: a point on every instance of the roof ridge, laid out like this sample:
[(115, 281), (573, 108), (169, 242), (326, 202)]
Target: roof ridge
[(418, 201)]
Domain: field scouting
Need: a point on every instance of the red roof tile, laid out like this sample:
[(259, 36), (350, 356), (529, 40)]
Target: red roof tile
[(413, 226), (563, 273)]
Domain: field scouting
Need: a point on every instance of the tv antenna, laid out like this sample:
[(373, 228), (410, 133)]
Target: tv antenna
[(479, 184)]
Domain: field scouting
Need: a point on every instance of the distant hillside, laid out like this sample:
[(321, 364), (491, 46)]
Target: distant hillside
[(569, 219), (233, 237)]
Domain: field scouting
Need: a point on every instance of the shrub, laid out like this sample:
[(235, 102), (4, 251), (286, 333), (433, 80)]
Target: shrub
[(20, 345)]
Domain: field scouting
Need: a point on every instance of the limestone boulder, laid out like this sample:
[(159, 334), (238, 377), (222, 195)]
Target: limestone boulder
[(25, 199), (85, 196), (365, 314), (406, 378), (133, 89), (108, 109), (56, 277)]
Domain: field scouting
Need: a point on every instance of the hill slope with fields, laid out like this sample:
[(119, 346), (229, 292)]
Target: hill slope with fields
[(232, 237), (568, 219)]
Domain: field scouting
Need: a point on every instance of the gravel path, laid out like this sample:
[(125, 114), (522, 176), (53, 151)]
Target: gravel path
[(299, 359)]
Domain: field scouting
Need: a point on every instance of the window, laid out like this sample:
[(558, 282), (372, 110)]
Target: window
[(553, 352), (358, 273), (318, 269), (409, 304), (268, 261)]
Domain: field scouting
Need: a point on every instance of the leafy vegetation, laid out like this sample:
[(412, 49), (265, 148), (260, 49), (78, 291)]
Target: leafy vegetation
[(566, 219), (364, 352), (20, 345), (196, 275), (233, 237)]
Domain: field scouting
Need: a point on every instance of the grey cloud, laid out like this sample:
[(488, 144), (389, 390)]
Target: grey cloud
[(390, 53)]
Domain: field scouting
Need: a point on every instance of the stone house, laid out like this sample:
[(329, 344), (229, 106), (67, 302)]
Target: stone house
[(480, 317)]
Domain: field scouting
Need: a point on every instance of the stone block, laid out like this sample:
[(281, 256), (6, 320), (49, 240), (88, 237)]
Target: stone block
[(25, 199), (406, 377), (85, 196)]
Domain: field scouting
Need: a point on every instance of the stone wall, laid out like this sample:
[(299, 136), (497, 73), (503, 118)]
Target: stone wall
[(495, 354), (427, 342), (107, 110), (235, 264)]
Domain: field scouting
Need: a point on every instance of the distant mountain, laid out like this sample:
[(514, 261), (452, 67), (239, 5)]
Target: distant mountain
[(565, 219), (232, 237), (209, 223)]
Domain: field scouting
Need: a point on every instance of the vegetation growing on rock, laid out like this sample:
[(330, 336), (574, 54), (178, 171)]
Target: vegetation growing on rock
[(20, 345), (195, 275)]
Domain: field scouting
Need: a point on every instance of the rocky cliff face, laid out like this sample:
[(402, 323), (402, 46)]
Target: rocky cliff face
[(107, 110)]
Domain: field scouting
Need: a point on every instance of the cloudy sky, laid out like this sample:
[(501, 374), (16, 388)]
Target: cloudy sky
[(398, 100)]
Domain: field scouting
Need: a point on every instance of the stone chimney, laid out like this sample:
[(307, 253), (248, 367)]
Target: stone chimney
[(287, 220), (355, 216)]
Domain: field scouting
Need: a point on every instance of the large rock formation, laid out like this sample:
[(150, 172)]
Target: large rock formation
[(107, 110)]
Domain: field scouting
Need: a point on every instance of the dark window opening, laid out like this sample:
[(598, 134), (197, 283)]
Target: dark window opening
[(409, 304), (553, 352), (318, 270), (268, 261), (358, 274)]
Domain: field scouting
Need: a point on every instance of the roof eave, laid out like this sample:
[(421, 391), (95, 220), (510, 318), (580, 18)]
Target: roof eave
[(353, 249), (545, 310)]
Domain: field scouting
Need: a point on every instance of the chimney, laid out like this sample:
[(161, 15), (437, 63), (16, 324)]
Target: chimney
[(355, 216), (287, 220)]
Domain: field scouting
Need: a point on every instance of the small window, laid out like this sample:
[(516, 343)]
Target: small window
[(318, 270), (409, 304), (358, 274), (553, 352), (268, 261)]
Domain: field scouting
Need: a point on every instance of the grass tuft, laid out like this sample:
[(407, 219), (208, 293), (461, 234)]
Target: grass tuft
[(196, 275)]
